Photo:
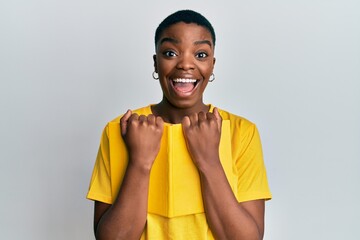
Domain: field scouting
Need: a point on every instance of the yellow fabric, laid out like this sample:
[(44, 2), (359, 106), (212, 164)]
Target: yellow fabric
[(175, 209)]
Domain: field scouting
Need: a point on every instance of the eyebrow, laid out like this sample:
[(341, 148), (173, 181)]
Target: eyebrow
[(172, 40), (167, 39), (203, 42)]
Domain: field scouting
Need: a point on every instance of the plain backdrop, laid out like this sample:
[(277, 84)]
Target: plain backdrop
[(68, 67)]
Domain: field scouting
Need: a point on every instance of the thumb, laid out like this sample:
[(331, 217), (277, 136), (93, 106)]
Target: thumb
[(124, 121), (218, 117), (185, 122), (159, 122)]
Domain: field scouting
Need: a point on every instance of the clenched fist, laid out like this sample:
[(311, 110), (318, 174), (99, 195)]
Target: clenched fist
[(142, 136), (202, 133)]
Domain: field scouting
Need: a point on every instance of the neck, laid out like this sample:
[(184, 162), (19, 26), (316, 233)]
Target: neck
[(172, 114)]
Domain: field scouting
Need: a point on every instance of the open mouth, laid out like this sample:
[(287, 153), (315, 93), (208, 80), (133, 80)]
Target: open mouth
[(184, 85)]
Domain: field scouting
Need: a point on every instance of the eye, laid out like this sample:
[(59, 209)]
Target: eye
[(201, 55), (169, 53)]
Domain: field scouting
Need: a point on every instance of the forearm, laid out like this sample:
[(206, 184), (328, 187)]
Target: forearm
[(226, 217), (126, 218)]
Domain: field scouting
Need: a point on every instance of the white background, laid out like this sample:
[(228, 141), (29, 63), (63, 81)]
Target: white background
[(68, 67)]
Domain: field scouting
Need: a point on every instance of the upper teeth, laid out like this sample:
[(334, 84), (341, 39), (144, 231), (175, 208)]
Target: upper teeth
[(184, 80)]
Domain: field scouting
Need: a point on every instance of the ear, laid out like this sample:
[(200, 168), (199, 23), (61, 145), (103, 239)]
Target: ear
[(155, 63), (213, 66)]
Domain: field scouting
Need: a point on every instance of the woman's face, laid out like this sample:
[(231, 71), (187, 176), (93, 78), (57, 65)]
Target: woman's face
[(184, 61)]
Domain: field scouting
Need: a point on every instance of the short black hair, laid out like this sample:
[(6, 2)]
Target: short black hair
[(186, 16)]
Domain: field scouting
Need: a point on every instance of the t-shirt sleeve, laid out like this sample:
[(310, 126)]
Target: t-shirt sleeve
[(100, 184), (250, 167)]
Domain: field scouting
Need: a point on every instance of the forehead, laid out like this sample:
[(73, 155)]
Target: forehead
[(186, 32)]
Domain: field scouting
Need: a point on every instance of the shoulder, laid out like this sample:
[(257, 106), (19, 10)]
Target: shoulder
[(140, 111), (241, 129), (236, 121)]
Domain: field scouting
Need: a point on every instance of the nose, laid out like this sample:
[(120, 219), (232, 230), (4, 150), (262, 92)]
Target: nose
[(186, 62)]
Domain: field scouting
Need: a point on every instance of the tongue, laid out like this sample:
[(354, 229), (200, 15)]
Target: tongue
[(184, 87)]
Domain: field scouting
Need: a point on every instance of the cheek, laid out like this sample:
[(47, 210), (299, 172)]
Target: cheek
[(165, 66), (207, 69)]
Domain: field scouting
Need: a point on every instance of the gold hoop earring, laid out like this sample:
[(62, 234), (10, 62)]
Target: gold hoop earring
[(212, 77), (155, 77)]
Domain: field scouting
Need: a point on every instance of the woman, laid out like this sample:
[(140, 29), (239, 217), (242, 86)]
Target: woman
[(180, 169)]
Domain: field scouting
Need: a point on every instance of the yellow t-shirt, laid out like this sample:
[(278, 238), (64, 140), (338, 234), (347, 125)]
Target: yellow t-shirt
[(175, 207)]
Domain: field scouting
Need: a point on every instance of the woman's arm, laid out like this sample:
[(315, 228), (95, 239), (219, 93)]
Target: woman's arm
[(227, 218), (126, 218)]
